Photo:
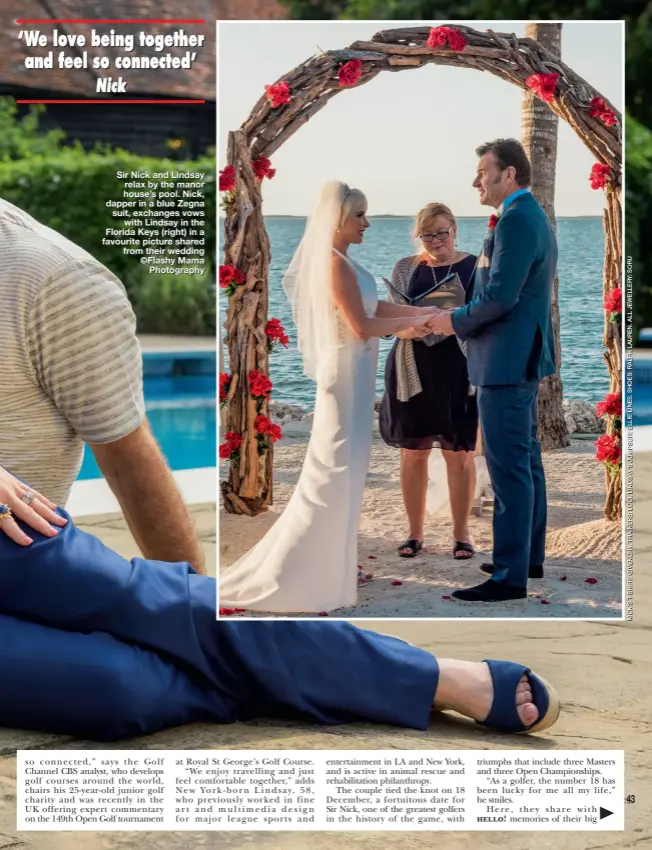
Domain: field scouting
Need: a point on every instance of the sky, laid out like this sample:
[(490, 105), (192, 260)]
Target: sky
[(404, 138)]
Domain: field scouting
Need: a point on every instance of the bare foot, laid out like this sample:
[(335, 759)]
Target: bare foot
[(467, 688)]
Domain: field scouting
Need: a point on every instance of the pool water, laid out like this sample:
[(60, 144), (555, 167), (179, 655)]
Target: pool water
[(180, 400), (642, 390)]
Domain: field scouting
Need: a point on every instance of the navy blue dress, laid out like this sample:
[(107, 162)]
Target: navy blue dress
[(98, 647), (443, 415)]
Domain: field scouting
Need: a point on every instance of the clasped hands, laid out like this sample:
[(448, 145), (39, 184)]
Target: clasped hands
[(437, 322)]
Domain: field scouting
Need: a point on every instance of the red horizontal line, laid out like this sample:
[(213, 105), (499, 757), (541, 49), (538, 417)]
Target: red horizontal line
[(111, 100), (106, 21)]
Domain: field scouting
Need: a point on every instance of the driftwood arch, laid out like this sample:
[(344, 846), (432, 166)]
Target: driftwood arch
[(246, 251)]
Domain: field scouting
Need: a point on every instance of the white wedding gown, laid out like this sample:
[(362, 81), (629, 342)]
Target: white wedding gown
[(307, 562)]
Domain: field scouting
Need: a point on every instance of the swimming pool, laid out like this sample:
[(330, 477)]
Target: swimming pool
[(642, 389), (180, 399)]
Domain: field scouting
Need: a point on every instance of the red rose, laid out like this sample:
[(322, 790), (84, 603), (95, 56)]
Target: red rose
[(598, 109), (276, 332), (227, 179), (599, 175), (230, 277), (231, 444), (613, 301), (234, 438), (260, 385), (267, 428), (456, 41), (226, 276), (278, 94), (543, 85), (350, 72), (611, 405), (225, 381), (607, 449), (438, 37), (261, 167), (493, 220)]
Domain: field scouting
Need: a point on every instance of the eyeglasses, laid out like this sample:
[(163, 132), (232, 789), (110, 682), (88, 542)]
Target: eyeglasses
[(440, 236)]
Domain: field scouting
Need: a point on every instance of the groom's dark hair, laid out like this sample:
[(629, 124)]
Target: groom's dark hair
[(509, 152)]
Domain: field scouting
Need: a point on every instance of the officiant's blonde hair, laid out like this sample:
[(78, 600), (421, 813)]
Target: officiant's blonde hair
[(428, 214)]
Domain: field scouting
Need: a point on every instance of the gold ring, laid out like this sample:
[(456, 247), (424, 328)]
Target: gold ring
[(5, 512)]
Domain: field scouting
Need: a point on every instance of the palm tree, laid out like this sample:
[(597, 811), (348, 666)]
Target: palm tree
[(539, 128)]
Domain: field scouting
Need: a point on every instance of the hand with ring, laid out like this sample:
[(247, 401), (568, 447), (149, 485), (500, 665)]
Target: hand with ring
[(19, 501)]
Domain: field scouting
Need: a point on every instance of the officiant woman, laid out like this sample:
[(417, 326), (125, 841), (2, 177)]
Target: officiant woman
[(428, 402)]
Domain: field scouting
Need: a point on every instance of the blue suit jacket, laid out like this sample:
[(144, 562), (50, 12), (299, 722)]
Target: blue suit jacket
[(507, 325)]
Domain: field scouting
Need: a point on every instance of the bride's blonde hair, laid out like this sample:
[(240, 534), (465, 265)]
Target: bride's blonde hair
[(351, 198)]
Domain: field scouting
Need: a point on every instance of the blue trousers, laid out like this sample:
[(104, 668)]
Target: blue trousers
[(509, 418), (95, 646)]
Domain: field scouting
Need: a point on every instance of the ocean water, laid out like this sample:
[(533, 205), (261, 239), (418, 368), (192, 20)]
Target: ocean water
[(581, 251)]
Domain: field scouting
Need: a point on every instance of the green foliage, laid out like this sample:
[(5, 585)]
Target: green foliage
[(69, 190), (20, 137), (179, 304)]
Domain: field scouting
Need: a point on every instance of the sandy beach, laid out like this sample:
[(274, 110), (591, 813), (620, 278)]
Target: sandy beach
[(581, 544)]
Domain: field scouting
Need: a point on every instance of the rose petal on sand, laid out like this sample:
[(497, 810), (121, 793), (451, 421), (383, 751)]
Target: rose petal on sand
[(545, 602), (564, 578), (323, 614), (372, 557), (397, 583), (447, 597), (591, 581), (369, 576)]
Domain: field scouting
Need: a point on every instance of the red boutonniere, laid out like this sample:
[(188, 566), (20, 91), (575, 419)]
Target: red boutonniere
[(493, 221)]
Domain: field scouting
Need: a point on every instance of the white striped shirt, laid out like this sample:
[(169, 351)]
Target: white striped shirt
[(70, 362)]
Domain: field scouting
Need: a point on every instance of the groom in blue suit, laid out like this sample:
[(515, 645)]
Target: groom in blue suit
[(510, 348)]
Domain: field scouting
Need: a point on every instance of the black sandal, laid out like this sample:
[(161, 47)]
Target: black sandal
[(463, 547), (415, 545)]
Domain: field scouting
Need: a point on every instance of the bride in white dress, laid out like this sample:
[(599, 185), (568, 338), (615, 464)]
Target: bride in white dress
[(307, 562)]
